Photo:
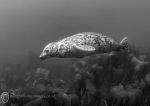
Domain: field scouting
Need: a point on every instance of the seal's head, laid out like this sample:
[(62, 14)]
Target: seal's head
[(48, 51)]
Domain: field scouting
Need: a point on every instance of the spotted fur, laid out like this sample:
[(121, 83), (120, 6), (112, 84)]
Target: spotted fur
[(67, 46)]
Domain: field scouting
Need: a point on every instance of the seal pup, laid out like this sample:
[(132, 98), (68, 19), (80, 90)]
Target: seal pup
[(83, 44)]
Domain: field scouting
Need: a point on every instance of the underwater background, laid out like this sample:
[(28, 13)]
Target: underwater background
[(121, 79)]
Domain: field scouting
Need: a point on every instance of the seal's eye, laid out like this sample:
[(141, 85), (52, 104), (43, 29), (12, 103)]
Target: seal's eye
[(46, 51)]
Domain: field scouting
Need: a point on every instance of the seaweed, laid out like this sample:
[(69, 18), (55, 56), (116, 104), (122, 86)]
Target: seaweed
[(109, 79)]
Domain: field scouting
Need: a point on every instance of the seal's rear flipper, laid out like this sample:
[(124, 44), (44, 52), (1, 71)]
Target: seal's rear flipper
[(124, 46)]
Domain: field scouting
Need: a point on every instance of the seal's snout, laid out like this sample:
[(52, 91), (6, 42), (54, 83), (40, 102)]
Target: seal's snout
[(42, 56)]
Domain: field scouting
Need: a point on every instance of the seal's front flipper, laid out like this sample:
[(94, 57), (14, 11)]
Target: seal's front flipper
[(84, 48)]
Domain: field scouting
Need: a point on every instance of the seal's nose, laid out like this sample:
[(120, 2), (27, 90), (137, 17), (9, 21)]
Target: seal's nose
[(42, 56)]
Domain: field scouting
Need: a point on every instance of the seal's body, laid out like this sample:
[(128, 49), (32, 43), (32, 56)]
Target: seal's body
[(83, 44)]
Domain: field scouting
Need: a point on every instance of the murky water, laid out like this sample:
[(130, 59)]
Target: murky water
[(101, 80)]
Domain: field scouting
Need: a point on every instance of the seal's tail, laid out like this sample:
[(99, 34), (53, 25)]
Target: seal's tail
[(124, 46)]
